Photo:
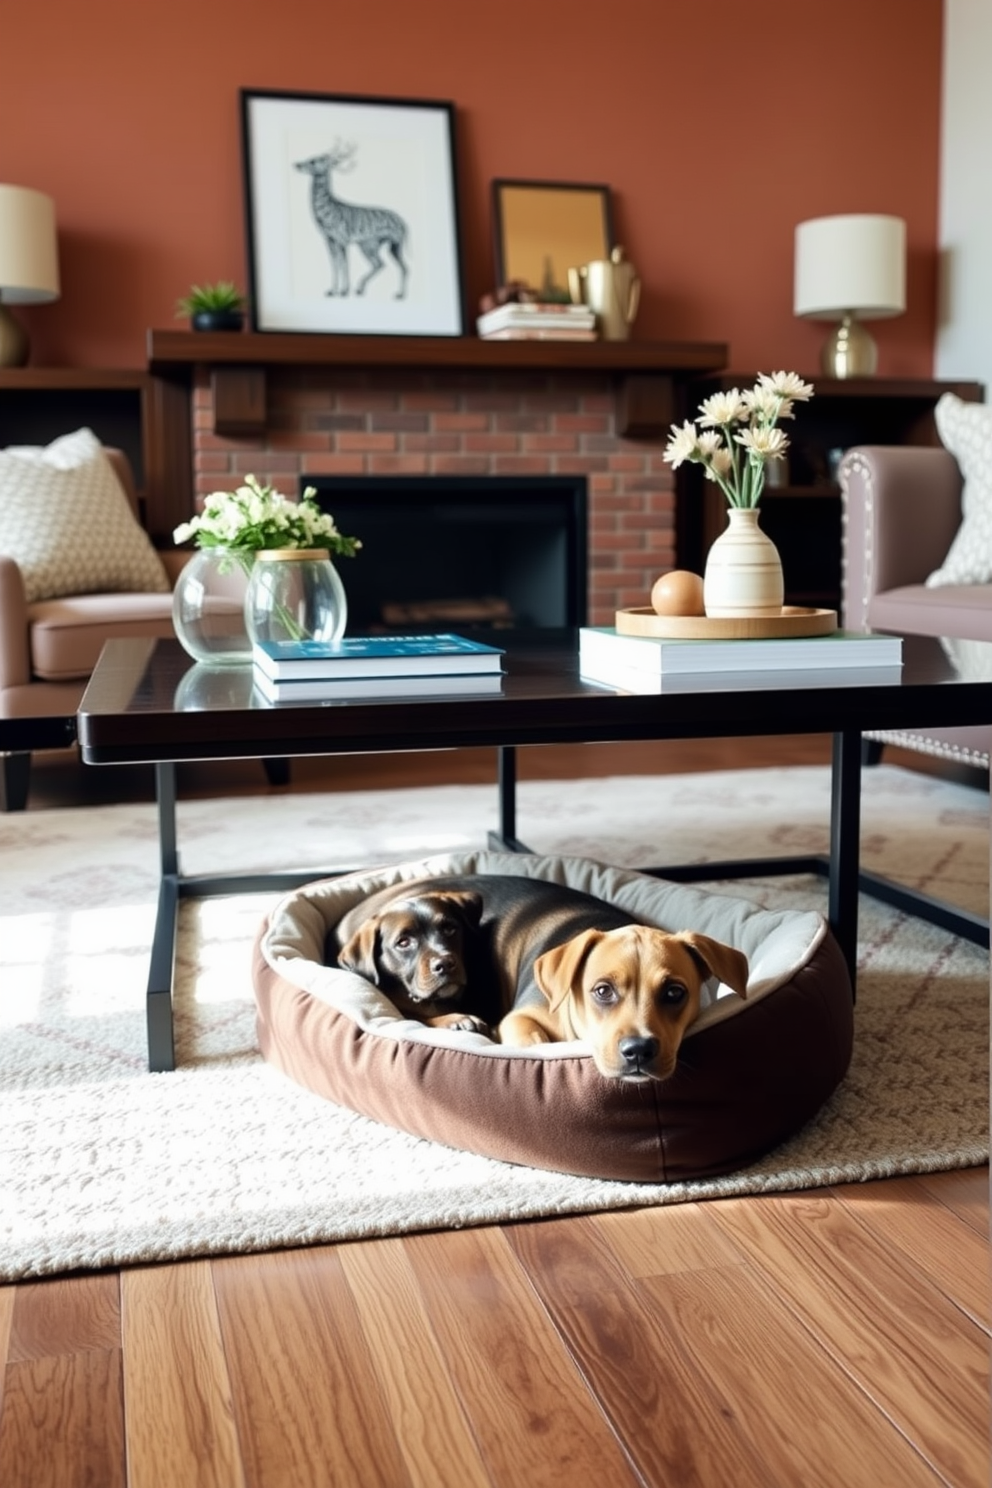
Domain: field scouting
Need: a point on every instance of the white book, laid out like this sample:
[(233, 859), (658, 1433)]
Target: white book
[(535, 314), (540, 333), (355, 689), (637, 680), (603, 647)]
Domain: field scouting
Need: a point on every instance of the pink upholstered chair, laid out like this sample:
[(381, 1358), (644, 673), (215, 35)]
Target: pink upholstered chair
[(902, 510), (49, 648)]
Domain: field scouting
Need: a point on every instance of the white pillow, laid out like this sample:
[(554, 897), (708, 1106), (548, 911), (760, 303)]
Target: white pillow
[(67, 523), (965, 430)]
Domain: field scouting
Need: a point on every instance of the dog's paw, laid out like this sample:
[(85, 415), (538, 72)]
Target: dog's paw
[(463, 1023)]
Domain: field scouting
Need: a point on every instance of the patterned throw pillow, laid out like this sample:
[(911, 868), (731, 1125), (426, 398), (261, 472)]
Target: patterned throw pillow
[(965, 430), (68, 524)]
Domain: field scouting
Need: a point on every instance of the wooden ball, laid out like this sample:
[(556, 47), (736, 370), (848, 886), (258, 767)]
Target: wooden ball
[(678, 593)]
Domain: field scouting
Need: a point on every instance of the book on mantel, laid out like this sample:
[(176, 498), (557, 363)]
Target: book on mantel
[(377, 657), (537, 321), (606, 655), (325, 689)]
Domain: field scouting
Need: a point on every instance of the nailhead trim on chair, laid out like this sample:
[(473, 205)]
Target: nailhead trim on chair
[(938, 748)]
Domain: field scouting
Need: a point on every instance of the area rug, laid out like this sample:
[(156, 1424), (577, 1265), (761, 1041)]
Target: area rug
[(103, 1164)]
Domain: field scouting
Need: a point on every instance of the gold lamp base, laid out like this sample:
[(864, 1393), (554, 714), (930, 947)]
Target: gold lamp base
[(14, 341), (14, 344), (850, 351)]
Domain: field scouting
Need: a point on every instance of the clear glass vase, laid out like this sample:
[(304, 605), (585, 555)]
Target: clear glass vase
[(295, 594), (204, 687), (208, 606)]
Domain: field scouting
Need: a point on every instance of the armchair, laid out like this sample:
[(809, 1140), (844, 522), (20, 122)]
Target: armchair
[(49, 647), (902, 509)]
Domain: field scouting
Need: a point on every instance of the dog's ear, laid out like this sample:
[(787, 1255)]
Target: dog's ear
[(557, 971), (719, 960), (358, 954), (466, 902)]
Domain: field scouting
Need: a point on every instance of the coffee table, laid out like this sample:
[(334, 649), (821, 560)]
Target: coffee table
[(146, 702)]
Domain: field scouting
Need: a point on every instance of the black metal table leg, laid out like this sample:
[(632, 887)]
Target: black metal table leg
[(158, 1003), (506, 840), (161, 970), (845, 845)]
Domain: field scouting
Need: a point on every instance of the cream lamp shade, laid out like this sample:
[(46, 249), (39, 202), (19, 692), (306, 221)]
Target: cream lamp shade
[(29, 264), (849, 269)]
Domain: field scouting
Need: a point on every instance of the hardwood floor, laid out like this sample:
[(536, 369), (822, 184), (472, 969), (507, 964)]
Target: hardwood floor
[(839, 1337)]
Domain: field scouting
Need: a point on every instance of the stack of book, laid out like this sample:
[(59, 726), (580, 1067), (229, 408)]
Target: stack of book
[(537, 321), (645, 664), (357, 667)]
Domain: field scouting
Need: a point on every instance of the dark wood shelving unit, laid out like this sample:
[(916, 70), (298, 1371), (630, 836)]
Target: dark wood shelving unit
[(803, 517), (146, 416), (646, 372)]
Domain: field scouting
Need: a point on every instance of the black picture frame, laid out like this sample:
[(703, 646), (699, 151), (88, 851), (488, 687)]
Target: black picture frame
[(541, 229), (382, 257)]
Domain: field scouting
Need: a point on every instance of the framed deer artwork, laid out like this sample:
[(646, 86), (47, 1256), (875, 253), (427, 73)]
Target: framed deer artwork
[(352, 215)]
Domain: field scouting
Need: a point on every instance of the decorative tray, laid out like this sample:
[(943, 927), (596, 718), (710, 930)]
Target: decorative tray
[(793, 621)]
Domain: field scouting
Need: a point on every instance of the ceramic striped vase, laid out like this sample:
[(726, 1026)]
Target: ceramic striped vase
[(743, 575)]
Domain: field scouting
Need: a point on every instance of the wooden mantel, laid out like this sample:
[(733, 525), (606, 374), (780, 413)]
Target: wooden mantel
[(646, 371)]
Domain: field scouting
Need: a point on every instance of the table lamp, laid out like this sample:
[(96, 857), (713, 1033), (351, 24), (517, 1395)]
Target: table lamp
[(29, 265), (850, 269)]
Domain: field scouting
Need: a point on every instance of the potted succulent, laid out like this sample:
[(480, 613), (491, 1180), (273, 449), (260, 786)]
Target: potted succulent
[(213, 307)]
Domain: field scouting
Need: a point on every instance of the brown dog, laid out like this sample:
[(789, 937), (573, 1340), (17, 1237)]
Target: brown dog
[(630, 992), (557, 963)]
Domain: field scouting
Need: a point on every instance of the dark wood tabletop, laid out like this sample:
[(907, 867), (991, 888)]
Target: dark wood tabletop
[(147, 701)]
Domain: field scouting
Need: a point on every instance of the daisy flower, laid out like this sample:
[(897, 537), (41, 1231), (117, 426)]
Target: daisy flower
[(787, 385), (681, 444), (766, 444), (723, 409)]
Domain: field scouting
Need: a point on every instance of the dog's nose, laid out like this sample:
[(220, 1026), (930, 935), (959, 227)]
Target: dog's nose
[(442, 964), (638, 1051)]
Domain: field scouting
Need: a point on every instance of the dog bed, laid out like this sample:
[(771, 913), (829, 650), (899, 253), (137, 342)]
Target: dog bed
[(750, 1072)]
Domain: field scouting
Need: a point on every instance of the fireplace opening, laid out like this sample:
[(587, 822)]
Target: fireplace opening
[(457, 553)]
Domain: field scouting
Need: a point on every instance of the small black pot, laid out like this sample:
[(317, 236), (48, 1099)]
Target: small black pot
[(218, 320)]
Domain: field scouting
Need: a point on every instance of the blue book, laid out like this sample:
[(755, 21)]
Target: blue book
[(377, 656)]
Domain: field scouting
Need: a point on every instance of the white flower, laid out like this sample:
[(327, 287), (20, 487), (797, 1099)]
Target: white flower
[(708, 443), (766, 444), (257, 516), (735, 459), (787, 385), (681, 445), (766, 405), (723, 409)]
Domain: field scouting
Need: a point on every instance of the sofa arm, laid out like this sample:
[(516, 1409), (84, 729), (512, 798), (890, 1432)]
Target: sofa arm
[(15, 656), (901, 509)]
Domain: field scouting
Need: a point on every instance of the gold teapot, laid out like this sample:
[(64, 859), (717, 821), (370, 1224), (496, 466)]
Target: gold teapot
[(611, 289)]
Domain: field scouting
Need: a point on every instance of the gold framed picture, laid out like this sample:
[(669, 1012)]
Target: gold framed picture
[(541, 229)]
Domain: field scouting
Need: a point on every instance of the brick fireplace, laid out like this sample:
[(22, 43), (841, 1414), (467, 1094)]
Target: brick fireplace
[(352, 421)]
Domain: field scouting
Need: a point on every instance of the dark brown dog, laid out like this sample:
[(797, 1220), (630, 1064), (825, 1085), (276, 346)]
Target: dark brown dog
[(556, 963), (413, 946)]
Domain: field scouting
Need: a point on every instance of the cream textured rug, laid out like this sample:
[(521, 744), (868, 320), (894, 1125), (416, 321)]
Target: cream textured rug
[(102, 1163)]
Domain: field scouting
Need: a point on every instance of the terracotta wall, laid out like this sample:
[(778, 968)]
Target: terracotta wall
[(718, 127)]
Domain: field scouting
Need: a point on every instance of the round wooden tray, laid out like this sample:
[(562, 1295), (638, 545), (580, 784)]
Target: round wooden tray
[(793, 621)]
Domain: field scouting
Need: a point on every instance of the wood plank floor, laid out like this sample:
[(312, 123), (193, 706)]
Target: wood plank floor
[(837, 1338)]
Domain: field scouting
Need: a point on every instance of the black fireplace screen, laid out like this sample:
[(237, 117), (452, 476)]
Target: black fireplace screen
[(455, 553)]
